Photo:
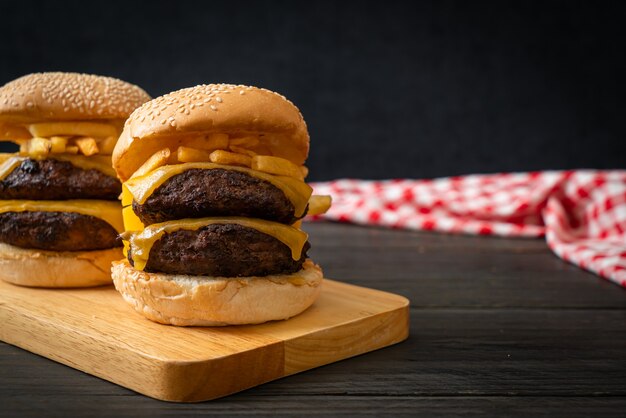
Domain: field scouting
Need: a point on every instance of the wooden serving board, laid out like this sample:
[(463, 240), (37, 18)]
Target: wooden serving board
[(95, 331)]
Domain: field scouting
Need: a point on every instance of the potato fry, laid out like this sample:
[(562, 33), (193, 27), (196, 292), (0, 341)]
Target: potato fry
[(90, 129), (58, 144), (39, 147), (14, 133), (87, 146), (297, 224), (319, 204), (156, 160), (245, 141), (230, 158), (304, 170), (240, 150), (276, 165), (209, 142), (107, 144), (71, 149), (24, 145), (192, 155), (261, 149)]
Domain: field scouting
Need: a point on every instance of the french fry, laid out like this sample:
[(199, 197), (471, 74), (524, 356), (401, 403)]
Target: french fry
[(297, 224), (87, 146), (245, 141), (241, 150), (156, 160), (319, 204), (192, 155), (107, 144), (89, 129), (71, 149), (15, 133), (276, 165), (245, 145), (58, 144), (24, 145), (209, 142), (261, 149), (229, 158), (39, 147), (304, 170)]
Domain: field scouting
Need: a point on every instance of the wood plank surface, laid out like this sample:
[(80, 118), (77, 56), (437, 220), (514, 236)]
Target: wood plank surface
[(498, 327), (95, 331)]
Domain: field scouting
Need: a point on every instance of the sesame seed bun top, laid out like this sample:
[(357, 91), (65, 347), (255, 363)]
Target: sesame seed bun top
[(57, 96), (212, 108)]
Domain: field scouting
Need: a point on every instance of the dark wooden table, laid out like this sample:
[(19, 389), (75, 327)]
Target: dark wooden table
[(498, 327)]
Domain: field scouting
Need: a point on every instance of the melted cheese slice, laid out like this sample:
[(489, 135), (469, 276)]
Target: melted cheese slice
[(102, 163), (9, 164), (107, 211), (132, 222), (141, 243), (297, 191)]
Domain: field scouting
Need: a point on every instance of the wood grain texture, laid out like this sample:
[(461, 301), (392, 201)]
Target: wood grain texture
[(95, 331), (498, 327)]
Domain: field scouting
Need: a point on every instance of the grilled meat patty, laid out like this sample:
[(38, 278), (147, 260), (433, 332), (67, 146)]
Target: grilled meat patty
[(200, 193), (56, 231), (57, 180), (227, 250)]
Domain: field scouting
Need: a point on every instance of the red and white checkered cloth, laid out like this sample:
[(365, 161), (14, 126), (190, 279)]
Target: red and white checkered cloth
[(581, 213)]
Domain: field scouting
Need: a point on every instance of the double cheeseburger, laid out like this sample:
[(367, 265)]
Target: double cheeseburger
[(213, 191), (59, 213)]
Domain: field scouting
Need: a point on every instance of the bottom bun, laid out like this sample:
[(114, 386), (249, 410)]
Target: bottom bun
[(216, 301), (40, 268)]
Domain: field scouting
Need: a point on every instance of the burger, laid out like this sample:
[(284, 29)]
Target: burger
[(59, 209), (213, 193)]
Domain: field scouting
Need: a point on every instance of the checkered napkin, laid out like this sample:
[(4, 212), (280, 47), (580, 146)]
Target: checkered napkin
[(581, 213)]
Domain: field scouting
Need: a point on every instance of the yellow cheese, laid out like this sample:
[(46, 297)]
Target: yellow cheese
[(5, 156), (9, 164), (131, 221), (297, 191), (141, 243), (102, 209), (126, 197), (102, 163)]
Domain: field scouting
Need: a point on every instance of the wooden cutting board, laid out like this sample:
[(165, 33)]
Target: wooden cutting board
[(95, 331)]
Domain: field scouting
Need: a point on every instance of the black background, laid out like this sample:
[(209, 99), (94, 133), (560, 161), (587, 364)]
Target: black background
[(389, 89)]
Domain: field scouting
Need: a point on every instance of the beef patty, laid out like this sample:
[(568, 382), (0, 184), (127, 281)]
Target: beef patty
[(201, 193), (56, 231), (57, 180), (227, 250)]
